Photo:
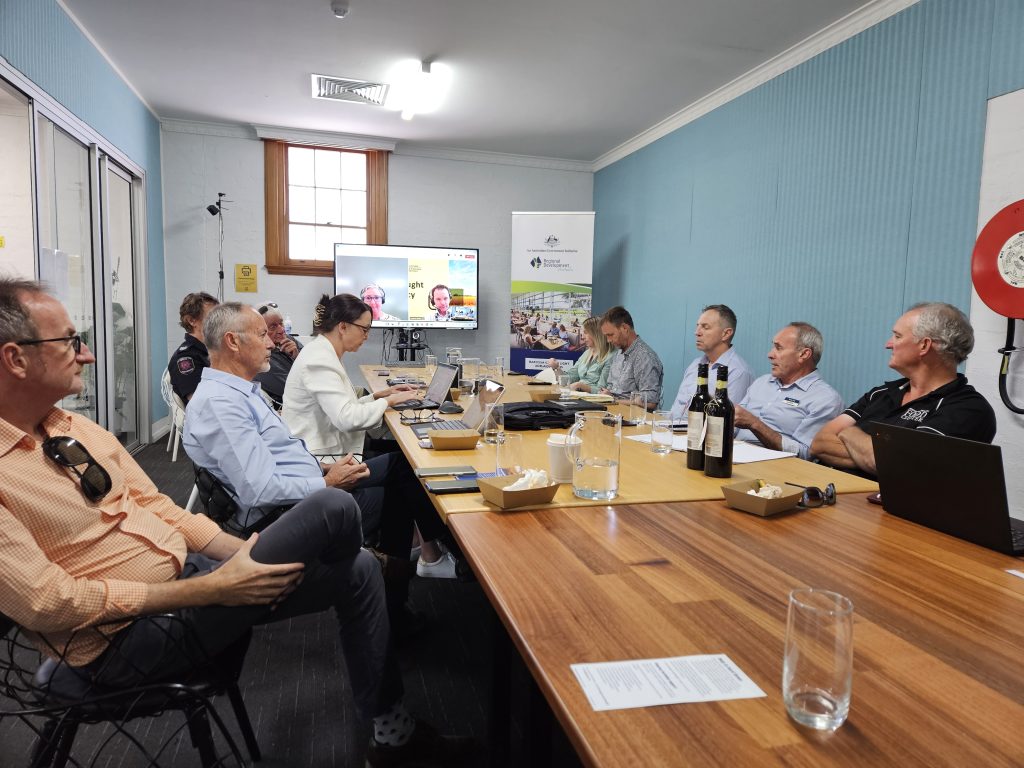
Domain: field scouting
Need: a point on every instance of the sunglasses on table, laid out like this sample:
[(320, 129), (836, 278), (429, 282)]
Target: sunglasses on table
[(68, 452), (75, 342), (813, 496)]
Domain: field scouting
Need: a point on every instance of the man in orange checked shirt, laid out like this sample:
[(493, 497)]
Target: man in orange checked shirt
[(86, 538)]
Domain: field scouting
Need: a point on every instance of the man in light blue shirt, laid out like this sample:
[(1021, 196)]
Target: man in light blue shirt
[(785, 409), (238, 438), (715, 330)]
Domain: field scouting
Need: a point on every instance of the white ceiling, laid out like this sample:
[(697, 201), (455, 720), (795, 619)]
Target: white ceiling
[(569, 79)]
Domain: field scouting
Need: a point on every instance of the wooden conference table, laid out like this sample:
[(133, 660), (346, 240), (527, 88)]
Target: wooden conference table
[(644, 477), (938, 635)]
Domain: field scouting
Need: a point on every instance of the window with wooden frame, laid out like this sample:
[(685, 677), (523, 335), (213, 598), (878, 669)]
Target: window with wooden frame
[(319, 196)]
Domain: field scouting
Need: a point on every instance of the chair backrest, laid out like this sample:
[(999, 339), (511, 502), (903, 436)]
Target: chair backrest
[(219, 503), (166, 390)]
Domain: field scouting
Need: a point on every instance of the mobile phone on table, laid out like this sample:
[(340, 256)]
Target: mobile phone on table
[(452, 486), (461, 469)]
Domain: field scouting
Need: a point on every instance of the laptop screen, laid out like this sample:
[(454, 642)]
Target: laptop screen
[(444, 379)]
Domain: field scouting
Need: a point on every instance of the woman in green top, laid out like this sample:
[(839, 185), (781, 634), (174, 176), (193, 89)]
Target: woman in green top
[(590, 372)]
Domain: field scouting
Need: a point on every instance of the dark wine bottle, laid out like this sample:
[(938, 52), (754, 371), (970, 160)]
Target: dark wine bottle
[(695, 420), (720, 418)]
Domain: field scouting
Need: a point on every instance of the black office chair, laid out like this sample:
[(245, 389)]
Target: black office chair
[(222, 508), (54, 699)]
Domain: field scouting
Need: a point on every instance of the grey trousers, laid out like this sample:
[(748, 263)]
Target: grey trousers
[(321, 531)]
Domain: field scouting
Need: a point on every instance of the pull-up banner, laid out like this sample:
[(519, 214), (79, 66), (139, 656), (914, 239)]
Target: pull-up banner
[(552, 275)]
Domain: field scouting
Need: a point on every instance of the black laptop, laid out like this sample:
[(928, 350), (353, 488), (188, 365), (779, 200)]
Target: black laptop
[(948, 484), (437, 392)]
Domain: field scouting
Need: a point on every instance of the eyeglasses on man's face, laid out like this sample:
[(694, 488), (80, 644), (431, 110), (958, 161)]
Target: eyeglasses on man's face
[(75, 342), (70, 453)]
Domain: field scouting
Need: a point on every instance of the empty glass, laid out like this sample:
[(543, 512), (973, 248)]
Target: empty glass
[(510, 453), (661, 432), (429, 366), (466, 388), (637, 408), (564, 380), (817, 668)]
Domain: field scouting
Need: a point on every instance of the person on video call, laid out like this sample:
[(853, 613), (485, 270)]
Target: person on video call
[(374, 297), (440, 300)]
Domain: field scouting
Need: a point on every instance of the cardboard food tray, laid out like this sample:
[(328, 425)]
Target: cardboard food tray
[(493, 490), (736, 496), (453, 439)]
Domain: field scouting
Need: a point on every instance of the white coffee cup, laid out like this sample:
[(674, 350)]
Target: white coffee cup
[(559, 466)]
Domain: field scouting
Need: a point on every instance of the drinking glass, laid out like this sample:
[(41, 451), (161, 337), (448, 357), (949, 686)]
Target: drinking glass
[(661, 432), (817, 668), (466, 388), (510, 453), (453, 355), (564, 380), (429, 366), (638, 408), (499, 364), (494, 423)]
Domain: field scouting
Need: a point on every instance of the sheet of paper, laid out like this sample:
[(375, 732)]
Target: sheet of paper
[(742, 453), (653, 682), (546, 375), (746, 453), (678, 441)]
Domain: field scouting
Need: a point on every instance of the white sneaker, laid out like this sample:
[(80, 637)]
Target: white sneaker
[(442, 568)]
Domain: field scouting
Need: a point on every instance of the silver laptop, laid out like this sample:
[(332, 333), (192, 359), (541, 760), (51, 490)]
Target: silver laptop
[(473, 418), (437, 392), (948, 484)]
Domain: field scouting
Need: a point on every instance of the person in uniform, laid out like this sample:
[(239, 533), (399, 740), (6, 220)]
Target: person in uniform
[(189, 359)]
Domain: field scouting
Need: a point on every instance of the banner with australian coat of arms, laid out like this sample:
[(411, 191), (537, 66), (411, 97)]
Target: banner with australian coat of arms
[(552, 276)]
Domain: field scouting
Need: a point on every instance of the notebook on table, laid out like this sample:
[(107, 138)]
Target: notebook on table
[(487, 392), (437, 391), (948, 484)]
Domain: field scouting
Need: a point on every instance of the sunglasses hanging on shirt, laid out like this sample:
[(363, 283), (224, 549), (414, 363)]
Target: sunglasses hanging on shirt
[(68, 452)]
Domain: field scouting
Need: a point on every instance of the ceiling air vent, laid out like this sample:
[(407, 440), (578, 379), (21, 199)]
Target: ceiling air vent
[(343, 89)]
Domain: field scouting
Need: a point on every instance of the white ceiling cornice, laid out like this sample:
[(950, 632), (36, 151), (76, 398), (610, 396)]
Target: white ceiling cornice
[(832, 35), (495, 158)]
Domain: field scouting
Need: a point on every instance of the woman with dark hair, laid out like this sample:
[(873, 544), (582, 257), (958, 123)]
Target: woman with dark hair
[(321, 406), (187, 363)]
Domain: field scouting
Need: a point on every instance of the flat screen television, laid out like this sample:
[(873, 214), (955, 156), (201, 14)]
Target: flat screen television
[(417, 286)]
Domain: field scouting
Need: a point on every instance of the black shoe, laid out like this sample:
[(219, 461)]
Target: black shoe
[(425, 749)]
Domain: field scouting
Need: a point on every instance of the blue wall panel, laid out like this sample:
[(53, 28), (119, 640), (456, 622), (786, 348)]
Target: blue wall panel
[(41, 42), (838, 193)]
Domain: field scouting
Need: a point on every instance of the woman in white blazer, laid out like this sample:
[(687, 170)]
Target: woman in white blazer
[(321, 406)]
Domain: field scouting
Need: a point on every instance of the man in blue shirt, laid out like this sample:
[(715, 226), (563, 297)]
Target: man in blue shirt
[(784, 410), (716, 328), (232, 432)]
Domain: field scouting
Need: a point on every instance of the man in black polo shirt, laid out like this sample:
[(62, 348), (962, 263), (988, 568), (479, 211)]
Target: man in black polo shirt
[(189, 359), (928, 343), (286, 349)]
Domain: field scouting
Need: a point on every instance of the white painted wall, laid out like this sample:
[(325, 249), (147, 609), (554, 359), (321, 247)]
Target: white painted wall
[(459, 198), (1001, 185)]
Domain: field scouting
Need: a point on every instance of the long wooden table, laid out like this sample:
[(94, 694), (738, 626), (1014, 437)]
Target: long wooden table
[(938, 636), (644, 477)]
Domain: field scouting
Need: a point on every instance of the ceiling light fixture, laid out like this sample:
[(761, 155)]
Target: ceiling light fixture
[(417, 87), (340, 8)]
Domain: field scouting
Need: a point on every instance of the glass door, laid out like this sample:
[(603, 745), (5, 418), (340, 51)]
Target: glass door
[(66, 245), (119, 254), (17, 244)]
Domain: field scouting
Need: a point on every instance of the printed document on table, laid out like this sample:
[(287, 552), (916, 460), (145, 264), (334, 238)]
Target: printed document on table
[(653, 682), (742, 453)]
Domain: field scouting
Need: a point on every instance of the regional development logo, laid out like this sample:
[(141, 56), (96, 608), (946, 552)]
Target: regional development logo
[(536, 262)]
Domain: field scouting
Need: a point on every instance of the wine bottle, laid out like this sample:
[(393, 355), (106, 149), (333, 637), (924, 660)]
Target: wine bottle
[(720, 417), (695, 420)]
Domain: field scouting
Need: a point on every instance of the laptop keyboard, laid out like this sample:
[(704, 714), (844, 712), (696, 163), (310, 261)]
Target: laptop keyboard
[(453, 424)]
